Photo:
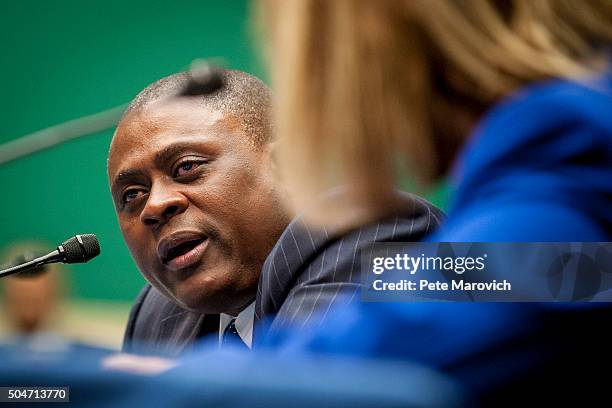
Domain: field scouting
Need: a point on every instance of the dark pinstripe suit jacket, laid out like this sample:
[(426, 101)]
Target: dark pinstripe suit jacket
[(311, 271), (158, 326), (307, 273)]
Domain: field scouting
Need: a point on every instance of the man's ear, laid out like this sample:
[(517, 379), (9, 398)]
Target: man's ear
[(271, 159), (271, 152)]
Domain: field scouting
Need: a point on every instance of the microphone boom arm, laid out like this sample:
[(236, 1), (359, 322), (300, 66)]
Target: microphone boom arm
[(45, 259)]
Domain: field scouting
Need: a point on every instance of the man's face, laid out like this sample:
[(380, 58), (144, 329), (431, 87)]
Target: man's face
[(196, 203)]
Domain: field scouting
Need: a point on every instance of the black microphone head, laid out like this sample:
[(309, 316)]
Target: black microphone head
[(80, 248), (204, 79)]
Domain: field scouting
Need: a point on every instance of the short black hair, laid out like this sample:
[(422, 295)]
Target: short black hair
[(241, 95)]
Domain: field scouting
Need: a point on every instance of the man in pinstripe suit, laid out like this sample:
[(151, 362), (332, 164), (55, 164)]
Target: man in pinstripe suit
[(198, 205), (201, 244)]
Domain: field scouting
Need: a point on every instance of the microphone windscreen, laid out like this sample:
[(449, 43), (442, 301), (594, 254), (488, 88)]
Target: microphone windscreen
[(81, 248), (203, 80)]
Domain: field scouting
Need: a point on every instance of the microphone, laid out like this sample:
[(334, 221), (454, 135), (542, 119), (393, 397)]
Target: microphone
[(204, 79), (78, 249)]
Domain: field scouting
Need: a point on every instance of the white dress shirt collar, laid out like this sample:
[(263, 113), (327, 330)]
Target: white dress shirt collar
[(244, 324)]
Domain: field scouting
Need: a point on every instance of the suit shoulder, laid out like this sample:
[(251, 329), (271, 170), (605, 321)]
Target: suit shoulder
[(314, 261), (419, 219)]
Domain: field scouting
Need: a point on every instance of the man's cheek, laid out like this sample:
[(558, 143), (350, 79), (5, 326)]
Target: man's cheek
[(128, 235), (136, 243)]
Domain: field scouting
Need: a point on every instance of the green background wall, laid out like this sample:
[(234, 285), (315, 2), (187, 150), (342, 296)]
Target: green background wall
[(64, 59)]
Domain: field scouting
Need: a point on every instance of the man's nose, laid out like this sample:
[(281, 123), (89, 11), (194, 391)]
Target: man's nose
[(162, 205)]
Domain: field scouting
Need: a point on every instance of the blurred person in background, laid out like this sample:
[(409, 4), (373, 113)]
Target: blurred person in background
[(513, 100), (31, 299)]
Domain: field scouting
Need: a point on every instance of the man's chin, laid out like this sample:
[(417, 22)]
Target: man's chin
[(211, 290), (206, 301), (202, 295), (195, 299)]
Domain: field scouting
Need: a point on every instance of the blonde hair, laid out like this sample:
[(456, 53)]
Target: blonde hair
[(357, 82)]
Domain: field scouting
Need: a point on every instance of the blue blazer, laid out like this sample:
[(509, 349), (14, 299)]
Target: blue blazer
[(537, 168)]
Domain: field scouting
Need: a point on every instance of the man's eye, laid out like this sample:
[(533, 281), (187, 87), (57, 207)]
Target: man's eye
[(186, 167), (131, 195)]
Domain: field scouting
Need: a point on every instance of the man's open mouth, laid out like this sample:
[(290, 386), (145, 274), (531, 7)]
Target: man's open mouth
[(181, 250)]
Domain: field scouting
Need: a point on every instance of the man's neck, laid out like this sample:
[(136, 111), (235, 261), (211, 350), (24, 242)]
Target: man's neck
[(237, 311)]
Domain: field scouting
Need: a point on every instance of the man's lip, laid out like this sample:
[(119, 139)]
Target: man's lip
[(189, 258), (175, 239)]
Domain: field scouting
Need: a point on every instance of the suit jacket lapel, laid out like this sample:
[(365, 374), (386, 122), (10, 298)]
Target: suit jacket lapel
[(296, 247)]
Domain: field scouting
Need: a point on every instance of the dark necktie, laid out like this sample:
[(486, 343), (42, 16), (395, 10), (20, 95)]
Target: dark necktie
[(231, 336)]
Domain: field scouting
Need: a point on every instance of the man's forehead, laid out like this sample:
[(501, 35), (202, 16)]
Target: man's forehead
[(178, 115), (152, 128)]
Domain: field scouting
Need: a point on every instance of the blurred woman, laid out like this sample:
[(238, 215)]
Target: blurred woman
[(513, 99), (513, 96)]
